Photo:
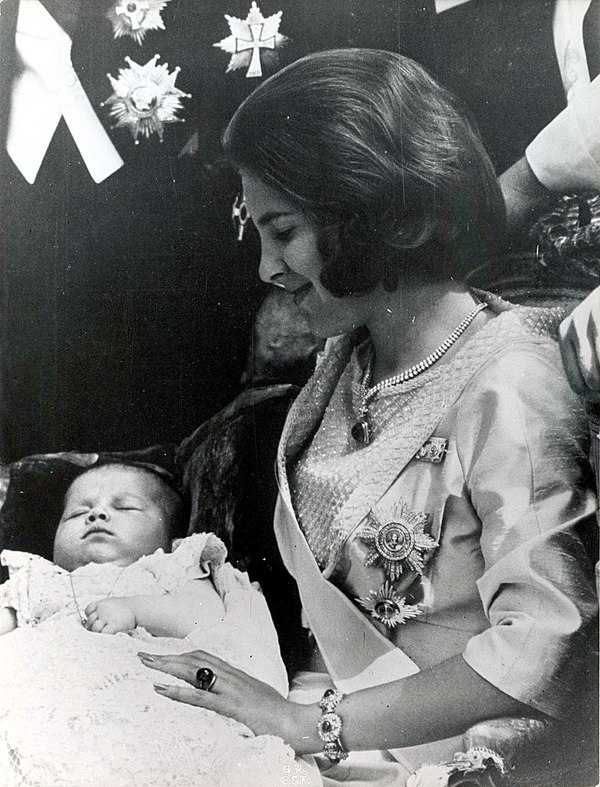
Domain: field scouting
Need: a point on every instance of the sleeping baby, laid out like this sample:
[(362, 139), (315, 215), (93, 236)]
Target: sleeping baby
[(78, 708)]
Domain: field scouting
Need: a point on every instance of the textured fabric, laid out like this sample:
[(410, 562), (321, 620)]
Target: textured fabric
[(510, 585), (79, 709)]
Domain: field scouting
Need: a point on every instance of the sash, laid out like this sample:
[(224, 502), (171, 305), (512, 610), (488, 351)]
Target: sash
[(356, 654)]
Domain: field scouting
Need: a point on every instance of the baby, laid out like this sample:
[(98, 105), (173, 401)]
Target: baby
[(78, 708)]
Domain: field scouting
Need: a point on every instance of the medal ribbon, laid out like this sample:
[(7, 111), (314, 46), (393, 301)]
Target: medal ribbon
[(47, 89)]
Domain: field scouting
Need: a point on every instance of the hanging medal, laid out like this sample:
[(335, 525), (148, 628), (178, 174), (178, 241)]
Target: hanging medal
[(145, 98), (252, 41), (395, 535), (136, 17), (388, 607)]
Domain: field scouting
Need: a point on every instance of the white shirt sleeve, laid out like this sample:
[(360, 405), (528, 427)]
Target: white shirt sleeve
[(566, 153)]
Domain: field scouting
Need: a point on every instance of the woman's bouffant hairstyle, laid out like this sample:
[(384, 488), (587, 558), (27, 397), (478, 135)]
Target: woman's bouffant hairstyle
[(381, 158)]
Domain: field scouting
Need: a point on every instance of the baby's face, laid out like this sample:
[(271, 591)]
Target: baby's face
[(111, 515)]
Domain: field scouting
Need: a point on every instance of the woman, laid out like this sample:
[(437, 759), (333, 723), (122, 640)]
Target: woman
[(433, 475)]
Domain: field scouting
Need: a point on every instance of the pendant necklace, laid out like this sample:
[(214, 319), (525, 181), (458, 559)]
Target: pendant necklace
[(361, 431), (82, 617)]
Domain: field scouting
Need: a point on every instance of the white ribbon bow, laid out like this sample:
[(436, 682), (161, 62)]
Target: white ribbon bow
[(46, 90)]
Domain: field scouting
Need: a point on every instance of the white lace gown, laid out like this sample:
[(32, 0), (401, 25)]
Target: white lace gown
[(78, 708)]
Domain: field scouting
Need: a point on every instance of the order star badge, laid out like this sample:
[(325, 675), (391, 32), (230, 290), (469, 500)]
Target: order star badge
[(396, 537), (388, 607), (145, 98), (252, 38), (136, 17)]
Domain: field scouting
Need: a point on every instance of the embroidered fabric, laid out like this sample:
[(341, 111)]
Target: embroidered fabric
[(329, 473), (79, 708)]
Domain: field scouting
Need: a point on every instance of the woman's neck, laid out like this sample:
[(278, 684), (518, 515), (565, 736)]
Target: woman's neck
[(412, 321)]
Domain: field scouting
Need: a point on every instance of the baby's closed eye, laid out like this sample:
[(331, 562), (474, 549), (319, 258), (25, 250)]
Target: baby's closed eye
[(76, 512)]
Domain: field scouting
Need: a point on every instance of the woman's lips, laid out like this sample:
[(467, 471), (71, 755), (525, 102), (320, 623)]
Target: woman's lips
[(301, 293)]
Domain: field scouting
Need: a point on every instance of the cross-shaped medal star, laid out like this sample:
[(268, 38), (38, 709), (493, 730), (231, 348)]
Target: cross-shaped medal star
[(250, 38), (256, 43)]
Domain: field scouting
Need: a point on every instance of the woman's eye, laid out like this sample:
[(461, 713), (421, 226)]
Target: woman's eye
[(284, 234)]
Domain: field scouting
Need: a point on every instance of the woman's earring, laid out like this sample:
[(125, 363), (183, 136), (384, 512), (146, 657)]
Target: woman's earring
[(239, 216)]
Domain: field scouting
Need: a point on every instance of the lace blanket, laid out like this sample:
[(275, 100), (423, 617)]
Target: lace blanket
[(79, 709)]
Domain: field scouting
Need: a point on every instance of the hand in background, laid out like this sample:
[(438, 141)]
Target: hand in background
[(109, 616), (580, 347)]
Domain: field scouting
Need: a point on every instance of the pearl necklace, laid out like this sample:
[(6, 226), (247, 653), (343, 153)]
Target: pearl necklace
[(361, 431)]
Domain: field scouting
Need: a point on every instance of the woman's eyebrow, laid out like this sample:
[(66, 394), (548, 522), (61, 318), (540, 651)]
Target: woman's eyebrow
[(271, 216)]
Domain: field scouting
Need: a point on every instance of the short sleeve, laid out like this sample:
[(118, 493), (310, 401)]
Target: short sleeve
[(16, 591), (194, 557), (524, 456), (8, 595), (565, 155)]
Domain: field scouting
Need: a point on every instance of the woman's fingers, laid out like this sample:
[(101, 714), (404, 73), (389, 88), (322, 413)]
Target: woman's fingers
[(186, 665), (234, 693), (580, 346), (191, 696), (571, 361)]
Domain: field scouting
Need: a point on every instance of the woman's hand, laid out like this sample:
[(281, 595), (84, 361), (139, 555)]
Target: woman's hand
[(580, 347), (109, 616), (239, 696)]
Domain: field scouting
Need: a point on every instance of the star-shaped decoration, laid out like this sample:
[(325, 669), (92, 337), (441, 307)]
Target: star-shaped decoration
[(145, 98), (252, 38), (397, 539), (388, 607), (136, 17)]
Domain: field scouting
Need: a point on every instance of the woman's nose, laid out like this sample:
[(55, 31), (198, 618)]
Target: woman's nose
[(271, 267)]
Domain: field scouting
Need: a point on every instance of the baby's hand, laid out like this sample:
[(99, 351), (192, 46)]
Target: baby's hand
[(109, 615)]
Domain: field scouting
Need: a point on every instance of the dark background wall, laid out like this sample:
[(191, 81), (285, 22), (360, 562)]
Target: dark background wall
[(127, 305)]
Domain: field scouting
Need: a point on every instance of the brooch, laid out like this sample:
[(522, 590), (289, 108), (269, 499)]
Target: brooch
[(433, 450), (388, 606), (251, 39), (136, 17), (145, 98), (397, 539)]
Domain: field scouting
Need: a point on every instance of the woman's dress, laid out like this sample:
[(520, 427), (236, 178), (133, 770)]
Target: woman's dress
[(459, 530)]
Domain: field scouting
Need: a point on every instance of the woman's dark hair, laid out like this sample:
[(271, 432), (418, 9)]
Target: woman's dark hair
[(381, 158)]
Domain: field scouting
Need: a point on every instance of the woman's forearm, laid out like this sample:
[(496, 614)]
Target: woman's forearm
[(437, 703)]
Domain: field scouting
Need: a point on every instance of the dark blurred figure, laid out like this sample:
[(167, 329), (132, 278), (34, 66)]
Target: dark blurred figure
[(527, 71)]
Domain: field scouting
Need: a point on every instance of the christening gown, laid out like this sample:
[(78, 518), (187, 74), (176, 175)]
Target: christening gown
[(78, 708)]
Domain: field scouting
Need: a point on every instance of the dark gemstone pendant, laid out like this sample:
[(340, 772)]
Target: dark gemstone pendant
[(361, 432)]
